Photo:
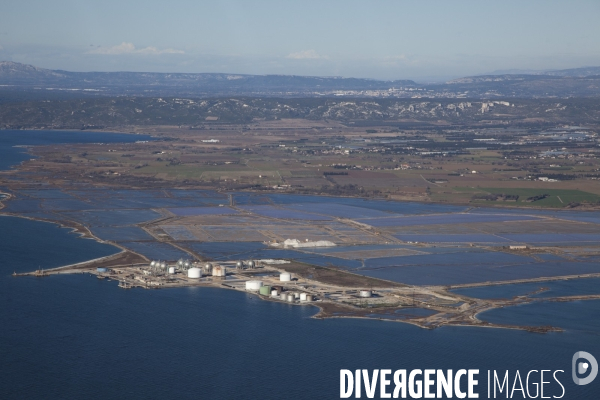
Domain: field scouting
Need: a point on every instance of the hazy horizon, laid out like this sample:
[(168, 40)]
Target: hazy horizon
[(389, 40)]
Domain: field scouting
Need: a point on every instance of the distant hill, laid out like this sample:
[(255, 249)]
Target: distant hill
[(572, 72), (12, 73), (21, 82), (119, 112), (575, 72)]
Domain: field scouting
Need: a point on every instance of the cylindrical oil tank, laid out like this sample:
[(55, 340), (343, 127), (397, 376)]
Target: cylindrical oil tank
[(274, 293), (265, 290), (296, 296), (171, 270), (194, 273), (309, 297), (366, 293), (219, 271), (290, 298), (285, 277), (253, 285), (283, 296), (302, 296)]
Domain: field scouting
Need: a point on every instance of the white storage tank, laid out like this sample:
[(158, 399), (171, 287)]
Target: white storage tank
[(253, 285), (274, 293), (283, 296), (309, 297), (285, 277), (290, 298), (296, 296), (219, 271), (172, 270), (302, 296), (366, 293), (194, 273)]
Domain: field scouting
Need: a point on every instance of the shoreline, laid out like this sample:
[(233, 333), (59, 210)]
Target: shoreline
[(469, 317), (267, 190), (326, 308)]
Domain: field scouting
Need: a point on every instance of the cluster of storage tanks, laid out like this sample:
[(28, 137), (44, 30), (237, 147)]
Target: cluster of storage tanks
[(159, 267), (207, 270), (245, 265), (277, 292), (192, 269), (197, 271)]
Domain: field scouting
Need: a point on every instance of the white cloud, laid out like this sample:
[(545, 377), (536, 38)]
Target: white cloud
[(129, 48), (305, 55), (400, 59)]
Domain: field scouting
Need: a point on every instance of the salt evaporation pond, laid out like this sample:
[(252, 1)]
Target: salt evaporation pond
[(569, 287), (189, 211), (443, 219), (448, 275), (67, 336)]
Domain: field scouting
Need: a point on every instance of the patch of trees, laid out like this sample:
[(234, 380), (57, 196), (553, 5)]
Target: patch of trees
[(536, 198), (496, 197), (326, 173)]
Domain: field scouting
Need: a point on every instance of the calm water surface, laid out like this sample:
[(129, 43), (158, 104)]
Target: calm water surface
[(11, 155), (74, 336)]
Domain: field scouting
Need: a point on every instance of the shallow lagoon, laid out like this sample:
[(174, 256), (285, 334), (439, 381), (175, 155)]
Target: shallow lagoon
[(454, 238), (569, 287), (11, 155), (67, 336), (189, 211), (276, 212), (156, 250), (112, 215), (79, 337), (572, 316), (444, 219), (439, 265), (447, 275), (339, 210)]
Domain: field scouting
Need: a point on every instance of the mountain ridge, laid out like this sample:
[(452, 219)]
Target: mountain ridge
[(21, 82)]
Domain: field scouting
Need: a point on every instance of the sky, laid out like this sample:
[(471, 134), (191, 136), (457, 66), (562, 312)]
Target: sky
[(381, 39)]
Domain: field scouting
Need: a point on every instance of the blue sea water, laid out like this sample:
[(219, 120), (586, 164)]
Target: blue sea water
[(74, 336), (11, 155)]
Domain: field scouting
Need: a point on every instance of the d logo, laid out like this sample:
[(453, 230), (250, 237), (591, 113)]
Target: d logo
[(583, 367)]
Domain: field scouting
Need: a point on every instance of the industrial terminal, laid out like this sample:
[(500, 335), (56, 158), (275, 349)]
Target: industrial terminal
[(274, 283), (425, 306)]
